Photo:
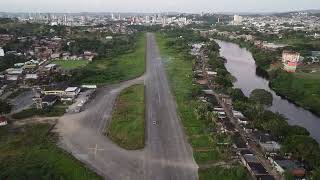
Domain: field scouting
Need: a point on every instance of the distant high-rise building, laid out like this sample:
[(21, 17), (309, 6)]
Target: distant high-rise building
[(147, 20), (237, 19)]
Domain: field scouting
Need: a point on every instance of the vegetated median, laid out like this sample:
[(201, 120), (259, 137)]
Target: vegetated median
[(127, 124), (123, 67), (206, 151)]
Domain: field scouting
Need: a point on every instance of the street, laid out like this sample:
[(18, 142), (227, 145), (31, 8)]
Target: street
[(167, 154)]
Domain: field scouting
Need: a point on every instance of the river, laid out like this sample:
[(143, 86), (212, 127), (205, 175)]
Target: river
[(241, 65)]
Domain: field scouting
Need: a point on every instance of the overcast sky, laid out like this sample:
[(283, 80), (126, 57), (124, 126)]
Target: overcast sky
[(195, 6)]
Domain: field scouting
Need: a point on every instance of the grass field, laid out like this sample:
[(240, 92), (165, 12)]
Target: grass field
[(302, 88), (220, 173), (124, 67), (70, 64), (204, 143), (127, 126), (30, 152)]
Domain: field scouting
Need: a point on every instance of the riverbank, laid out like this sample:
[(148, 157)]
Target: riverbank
[(291, 136), (298, 88)]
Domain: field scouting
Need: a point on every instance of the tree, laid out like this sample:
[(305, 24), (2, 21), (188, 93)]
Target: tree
[(4, 107), (237, 95), (304, 148), (261, 96)]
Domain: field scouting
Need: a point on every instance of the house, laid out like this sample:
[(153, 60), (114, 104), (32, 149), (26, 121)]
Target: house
[(31, 77), (266, 142), (109, 37), (290, 60), (212, 73), (55, 55), (256, 169), (55, 89), (71, 92), (315, 54), (3, 121), (247, 128), (89, 86), (51, 67), (282, 165), (49, 100), (253, 165), (14, 71), (1, 52), (245, 151), (18, 65), (208, 92), (243, 121), (237, 114), (226, 99)]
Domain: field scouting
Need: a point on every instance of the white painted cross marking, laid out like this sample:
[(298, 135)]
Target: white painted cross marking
[(95, 150)]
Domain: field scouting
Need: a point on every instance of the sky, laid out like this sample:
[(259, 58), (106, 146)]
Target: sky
[(190, 6)]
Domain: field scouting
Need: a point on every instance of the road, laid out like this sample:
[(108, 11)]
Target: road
[(166, 156)]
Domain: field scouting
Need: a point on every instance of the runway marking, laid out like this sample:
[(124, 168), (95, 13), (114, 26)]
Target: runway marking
[(95, 150)]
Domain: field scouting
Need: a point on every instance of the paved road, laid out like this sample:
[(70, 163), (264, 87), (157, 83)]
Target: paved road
[(166, 156)]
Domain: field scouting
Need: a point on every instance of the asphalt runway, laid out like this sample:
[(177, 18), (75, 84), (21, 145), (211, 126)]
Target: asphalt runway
[(167, 154)]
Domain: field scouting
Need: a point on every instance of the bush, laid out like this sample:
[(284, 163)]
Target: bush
[(261, 96)]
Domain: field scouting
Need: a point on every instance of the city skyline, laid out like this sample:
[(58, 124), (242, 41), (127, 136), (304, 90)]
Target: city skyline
[(189, 6)]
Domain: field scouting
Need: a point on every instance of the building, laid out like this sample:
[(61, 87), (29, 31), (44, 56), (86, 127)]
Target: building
[(290, 60), (266, 142), (56, 89), (282, 165), (70, 93), (3, 121), (1, 52), (237, 19), (49, 100)]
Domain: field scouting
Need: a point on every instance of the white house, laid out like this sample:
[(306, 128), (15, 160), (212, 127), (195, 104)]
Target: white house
[(3, 121), (72, 92)]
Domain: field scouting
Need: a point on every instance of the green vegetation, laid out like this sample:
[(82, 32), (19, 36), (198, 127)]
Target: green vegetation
[(261, 96), (9, 60), (4, 107), (30, 152), (68, 64), (127, 126), (56, 110), (302, 88), (223, 173), (120, 68), (199, 125)]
